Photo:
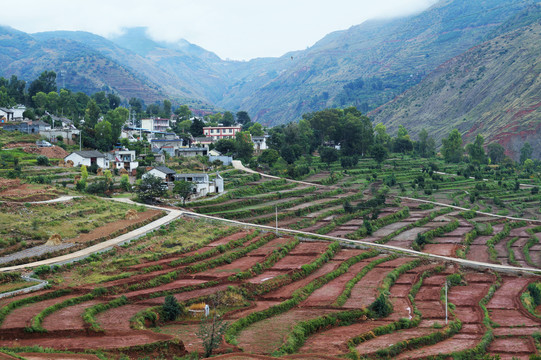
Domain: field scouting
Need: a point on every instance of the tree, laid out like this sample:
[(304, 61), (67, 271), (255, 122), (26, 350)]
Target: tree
[(225, 146), (114, 101), (269, 156), (452, 147), (151, 187), (256, 130), (196, 129), (40, 100), (184, 189), (426, 146), (228, 119), (476, 150), (183, 112), (496, 153), (328, 155), (45, 83), (243, 118), (172, 309), (101, 100), (379, 152), (166, 113), (104, 135), (380, 135), (117, 118), (125, 182), (244, 147), (211, 331), (92, 113), (525, 152)]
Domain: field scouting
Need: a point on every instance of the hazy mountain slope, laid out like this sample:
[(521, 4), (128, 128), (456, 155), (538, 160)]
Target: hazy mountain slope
[(493, 89), (79, 67), (394, 50), (168, 83)]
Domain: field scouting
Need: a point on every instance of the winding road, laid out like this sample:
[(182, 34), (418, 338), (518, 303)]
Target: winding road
[(175, 214)]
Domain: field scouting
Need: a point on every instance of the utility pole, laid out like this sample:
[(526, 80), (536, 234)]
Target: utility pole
[(276, 212), (80, 137), (445, 301)]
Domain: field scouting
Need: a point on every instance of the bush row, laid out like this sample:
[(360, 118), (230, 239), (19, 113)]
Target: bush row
[(6, 309), (379, 223), (266, 209), (426, 237), (308, 209), (37, 320), (89, 315), (258, 268), (470, 237), (401, 323), (343, 297), (491, 243), (273, 185), (302, 330), (138, 321), (297, 297), (341, 220), (201, 266), (418, 223), (252, 201), (214, 251)]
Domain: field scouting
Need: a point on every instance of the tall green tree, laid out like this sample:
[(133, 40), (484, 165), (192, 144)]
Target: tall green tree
[(243, 118), (244, 147), (525, 152), (476, 150), (452, 149), (92, 113), (184, 189), (228, 119), (496, 153), (46, 82)]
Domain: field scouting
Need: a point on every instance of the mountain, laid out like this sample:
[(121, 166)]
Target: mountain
[(79, 67), (365, 66), (493, 89)]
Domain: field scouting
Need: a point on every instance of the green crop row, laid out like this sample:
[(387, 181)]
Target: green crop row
[(426, 237), (258, 268), (89, 315), (214, 251), (6, 309), (379, 223), (297, 297)]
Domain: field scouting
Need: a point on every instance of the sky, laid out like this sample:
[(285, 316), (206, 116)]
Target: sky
[(233, 29)]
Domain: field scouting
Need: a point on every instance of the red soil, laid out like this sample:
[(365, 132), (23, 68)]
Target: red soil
[(333, 341), (79, 342), (293, 262), (178, 284), (328, 293), (68, 318), (310, 248), (259, 306), (258, 339), (54, 356), (286, 291), (21, 317), (382, 342), (269, 247)]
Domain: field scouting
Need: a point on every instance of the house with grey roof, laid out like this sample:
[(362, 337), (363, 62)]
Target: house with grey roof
[(88, 158)]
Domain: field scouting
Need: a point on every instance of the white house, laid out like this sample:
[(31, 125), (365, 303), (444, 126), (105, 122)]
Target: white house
[(202, 185), (260, 143), (125, 159), (88, 158), (156, 124), (162, 172)]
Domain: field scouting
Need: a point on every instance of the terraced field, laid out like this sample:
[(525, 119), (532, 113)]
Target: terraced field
[(306, 297), (317, 297)]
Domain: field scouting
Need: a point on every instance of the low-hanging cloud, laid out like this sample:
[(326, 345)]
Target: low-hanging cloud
[(236, 29)]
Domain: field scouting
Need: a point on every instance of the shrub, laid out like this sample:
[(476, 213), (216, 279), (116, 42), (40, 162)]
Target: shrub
[(42, 160), (172, 309)]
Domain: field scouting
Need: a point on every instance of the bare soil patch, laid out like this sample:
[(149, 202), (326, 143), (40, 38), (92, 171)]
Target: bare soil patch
[(45, 356), (258, 339)]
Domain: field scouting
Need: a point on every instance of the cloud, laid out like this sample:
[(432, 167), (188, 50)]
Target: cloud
[(236, 29)]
